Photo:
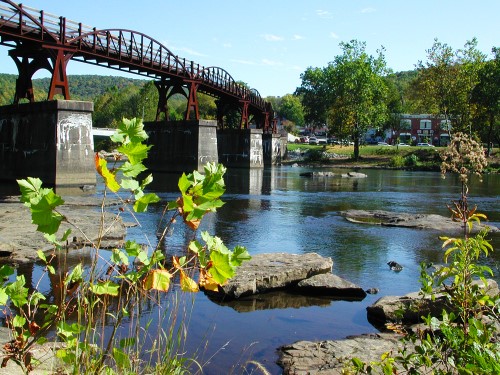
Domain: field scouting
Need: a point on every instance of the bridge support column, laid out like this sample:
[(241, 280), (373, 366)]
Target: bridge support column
[(274, 148), (49, 140), (181, 146), (240, 148)]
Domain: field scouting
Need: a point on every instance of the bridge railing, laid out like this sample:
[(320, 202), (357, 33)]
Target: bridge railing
[(133, 49)]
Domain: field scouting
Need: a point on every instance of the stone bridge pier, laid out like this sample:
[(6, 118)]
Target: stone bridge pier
[(51, 140)]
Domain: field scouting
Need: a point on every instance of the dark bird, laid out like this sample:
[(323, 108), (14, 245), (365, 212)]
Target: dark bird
[(395, 266)]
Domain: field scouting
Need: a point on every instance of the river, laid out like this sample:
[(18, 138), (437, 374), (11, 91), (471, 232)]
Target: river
[(277, 210)]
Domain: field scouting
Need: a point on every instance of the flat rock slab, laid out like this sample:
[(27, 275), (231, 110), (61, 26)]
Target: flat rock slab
[(265, 272), (406, 220), (19, 240), (332, 174), (332, 285), (331, 357)]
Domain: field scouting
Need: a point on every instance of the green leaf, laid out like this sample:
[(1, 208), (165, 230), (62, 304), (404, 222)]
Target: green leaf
[(17, 292), (3, 297), (146, 181), (184, 184), (18, 321), (136, 152), (132, 170), (121, 358), (76, 275), (42, 213), (42, 256), (221, 269), (6, 271), (141, 205), (130, 130), (132, 248), (119, 257), (105, 288), (240, 254), (30, 189), (131, 185)]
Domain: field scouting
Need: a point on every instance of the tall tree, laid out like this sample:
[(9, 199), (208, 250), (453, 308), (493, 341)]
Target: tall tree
[(486, 95), (445, 82), (312, 94), (356, 90), (291, 112)]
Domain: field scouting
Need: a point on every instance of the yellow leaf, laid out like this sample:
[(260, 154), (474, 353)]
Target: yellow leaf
[(157, 280), (109, 178), (188, 284), (207, 282)]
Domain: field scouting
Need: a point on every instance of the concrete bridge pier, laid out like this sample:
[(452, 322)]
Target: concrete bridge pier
[(50, 140), (274, 148), (181, 146), (240, 148)]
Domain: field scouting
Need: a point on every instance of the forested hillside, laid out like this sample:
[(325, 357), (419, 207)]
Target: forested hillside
[(82, 87)]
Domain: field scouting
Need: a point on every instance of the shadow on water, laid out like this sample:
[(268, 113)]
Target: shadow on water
[(277, 210)]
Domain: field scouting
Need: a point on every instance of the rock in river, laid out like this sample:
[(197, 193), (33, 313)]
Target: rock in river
[(274, 271), (265, 272), (408, 220)]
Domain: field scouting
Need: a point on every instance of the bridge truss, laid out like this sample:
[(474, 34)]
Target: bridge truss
[(41, 40)]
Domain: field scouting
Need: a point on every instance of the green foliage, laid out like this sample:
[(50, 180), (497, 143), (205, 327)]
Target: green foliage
[(349, 94), (397, 161), (411, 160), (114, 297)]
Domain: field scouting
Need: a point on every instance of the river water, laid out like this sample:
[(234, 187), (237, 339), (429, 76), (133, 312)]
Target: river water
[(277, 210)]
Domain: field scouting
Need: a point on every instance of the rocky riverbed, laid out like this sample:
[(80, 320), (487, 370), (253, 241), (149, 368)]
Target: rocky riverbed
[(19, 240)]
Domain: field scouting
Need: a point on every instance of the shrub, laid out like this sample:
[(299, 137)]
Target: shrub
[(397, 161), (411, 160)]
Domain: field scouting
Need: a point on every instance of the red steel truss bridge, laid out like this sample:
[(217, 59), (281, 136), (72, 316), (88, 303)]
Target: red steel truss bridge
[(39, 40)]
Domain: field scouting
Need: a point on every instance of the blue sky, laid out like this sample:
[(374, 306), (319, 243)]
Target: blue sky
[(269, 43)]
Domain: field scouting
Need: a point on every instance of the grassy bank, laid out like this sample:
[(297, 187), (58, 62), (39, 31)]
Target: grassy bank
[(373, 156)]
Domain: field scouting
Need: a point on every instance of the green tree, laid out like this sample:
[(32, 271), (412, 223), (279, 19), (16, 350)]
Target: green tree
[(445, 82), (357, 91), (291, 112), (486, 95), (312, 93)]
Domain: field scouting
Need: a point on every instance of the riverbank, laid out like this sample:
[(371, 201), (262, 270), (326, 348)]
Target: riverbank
[(374, 157)]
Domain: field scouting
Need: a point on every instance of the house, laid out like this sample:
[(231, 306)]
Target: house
[(423, 128)]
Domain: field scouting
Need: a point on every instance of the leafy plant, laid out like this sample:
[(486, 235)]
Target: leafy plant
[(464, 338), (105, 299)]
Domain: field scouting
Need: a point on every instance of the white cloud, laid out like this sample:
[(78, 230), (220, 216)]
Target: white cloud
[(272, 38), (368, 10), (244, 62), (188, 51), (334, 36), (271, 62), (227, 45), (324, 13), (298, 37)]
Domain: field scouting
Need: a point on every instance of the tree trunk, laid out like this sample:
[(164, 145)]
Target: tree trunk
[(356, 142), (490, 131)]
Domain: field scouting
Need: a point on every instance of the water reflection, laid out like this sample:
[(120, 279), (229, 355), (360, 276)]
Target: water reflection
[(279, 300)]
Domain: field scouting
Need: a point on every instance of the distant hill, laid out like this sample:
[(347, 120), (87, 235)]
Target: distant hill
[(82, 87)]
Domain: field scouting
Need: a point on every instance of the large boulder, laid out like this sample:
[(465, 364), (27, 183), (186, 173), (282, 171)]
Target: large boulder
[(410, 308), (331, 357), (265, 272)]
